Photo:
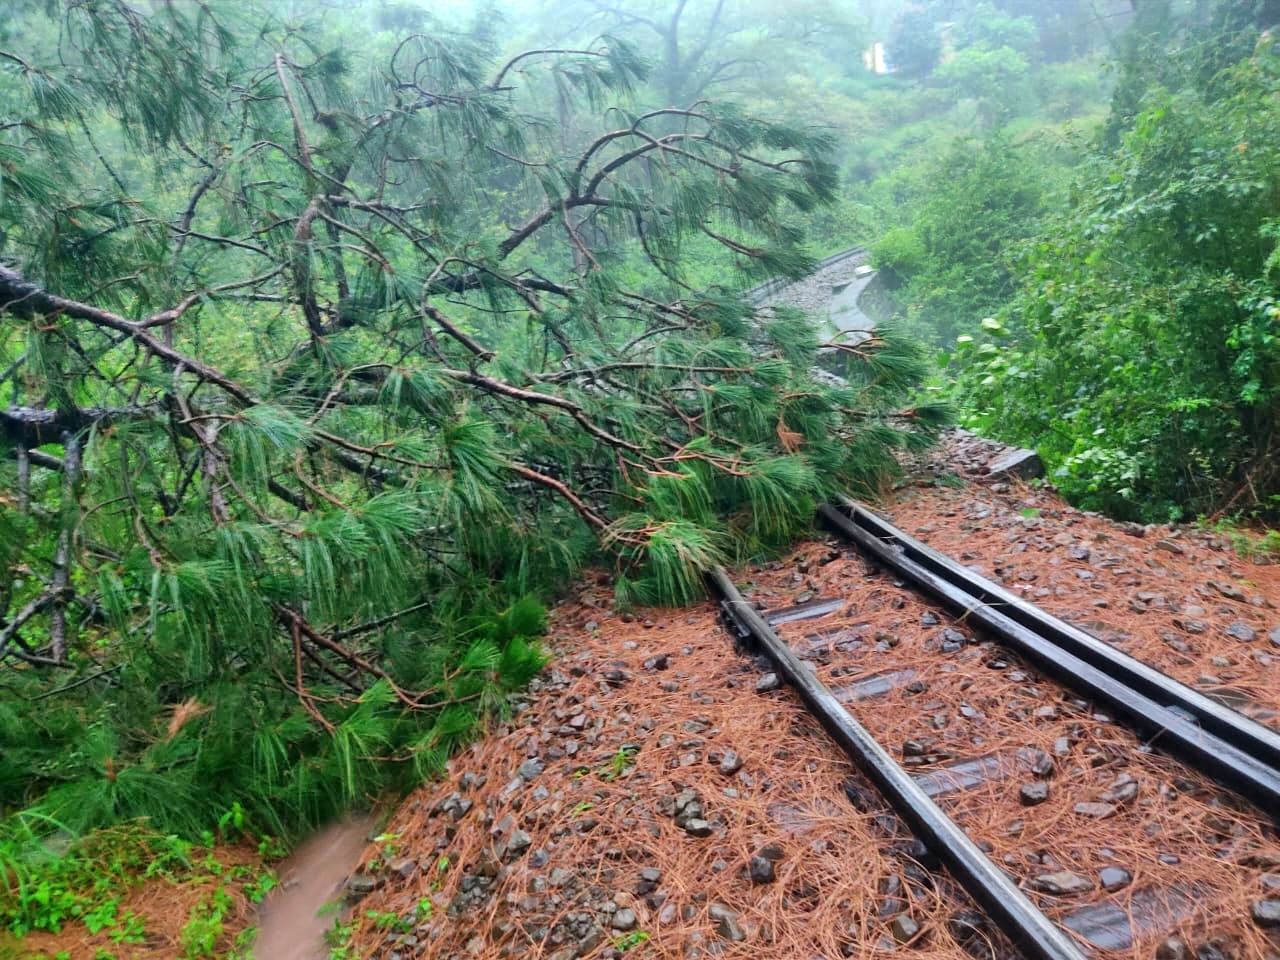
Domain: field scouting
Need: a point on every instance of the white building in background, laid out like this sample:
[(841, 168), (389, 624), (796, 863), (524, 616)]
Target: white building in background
[(876, 61)]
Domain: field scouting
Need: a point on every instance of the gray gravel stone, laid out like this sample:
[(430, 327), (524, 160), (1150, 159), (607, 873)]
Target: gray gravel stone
[(1114, 878), (1242, 632), (761, 870), (1061, 883), (519, 843), (698, 827), (1174, 949), (1124, 790), (966, 925), (1099, 811), (1033, 793), (727, 925), (904, 928), (770, 681), (624, 920), (531, 768), (730, 763), (1265, 913)]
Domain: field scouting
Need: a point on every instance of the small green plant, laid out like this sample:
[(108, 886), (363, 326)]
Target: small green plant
[(272, 848), (261, 883), (1248, 543), (390, 920), (338, 939), (129, 929), (200, 934), (620, 763), (627, 941)]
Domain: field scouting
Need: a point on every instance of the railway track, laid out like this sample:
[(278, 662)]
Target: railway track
[(1240, 754), (758, 295)]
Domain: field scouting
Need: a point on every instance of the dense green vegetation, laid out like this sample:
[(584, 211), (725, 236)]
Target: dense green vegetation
[(1139, 351), (333, 344), (1105, 289)]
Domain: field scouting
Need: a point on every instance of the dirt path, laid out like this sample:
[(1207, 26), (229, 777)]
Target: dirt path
[(299, 912)]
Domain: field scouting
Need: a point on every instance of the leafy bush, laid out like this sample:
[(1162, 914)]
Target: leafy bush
[(1142, 356)]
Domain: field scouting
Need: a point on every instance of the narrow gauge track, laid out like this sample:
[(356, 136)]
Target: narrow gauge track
[(1240, 754)]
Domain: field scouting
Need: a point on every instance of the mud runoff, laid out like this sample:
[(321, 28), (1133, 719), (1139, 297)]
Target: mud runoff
[(294, 919)]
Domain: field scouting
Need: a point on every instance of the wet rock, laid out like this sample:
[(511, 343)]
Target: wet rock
[(1025, 464), (660, 662), (1230, 591), (1098, 811), (1033, 793), (624, 920), (1123, 790), (650, 877), (928, 620), (405, 867), (1190, 625), (967, 925), (761, 870), (1212, 951), (1114, 878), (1265, 861), (1242, 632), (1061, 883), (767, 683), (905, 928), (1265, 913), (455, 807), (1274, 636), (730, 763), (697, 827), (1174, 949), (914, 748), (531, 768), (727, 925), (687, 806), (360, 885), (518, 843)]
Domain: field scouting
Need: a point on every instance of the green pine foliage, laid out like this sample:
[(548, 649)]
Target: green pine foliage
[(328, 348)]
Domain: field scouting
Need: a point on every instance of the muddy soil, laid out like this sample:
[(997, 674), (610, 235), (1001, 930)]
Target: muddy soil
[(306, 903)]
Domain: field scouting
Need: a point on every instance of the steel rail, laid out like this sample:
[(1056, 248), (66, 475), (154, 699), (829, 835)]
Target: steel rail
[(1256, 739), (985, 882), (1177, 718)]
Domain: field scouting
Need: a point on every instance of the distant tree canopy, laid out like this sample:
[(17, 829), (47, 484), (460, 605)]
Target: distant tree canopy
[(322, 344), (701, 48)]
